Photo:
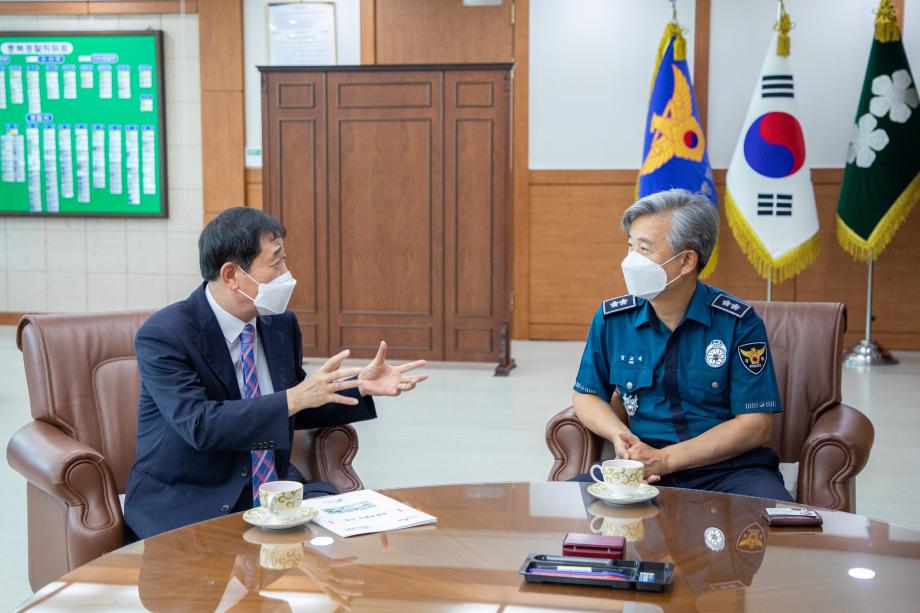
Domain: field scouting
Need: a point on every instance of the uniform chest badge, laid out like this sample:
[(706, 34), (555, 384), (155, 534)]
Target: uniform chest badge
[(715, 539), (752, 539), (716, 352), (753, 357), (630, 403)]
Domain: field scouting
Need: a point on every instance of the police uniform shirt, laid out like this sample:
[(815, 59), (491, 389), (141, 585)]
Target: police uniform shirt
[(677, 385)]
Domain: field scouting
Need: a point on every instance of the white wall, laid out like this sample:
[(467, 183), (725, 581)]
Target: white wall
[(571, 41), (255, 53), (591, 66), (72, 265)]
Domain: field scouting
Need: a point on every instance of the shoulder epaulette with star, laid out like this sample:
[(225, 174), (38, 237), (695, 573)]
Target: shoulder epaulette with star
[(730, 305), (620, 303)]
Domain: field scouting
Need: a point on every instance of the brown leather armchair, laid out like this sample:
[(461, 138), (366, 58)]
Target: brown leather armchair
[(830, 440), (83, 387)]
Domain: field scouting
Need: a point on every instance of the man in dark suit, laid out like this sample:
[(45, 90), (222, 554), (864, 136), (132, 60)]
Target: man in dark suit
[(223, 388)]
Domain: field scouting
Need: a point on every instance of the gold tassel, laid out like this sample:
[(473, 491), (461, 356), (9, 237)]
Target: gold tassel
[(864, 250), (886, 23), (783, 42), (680, 45), (785, 267)]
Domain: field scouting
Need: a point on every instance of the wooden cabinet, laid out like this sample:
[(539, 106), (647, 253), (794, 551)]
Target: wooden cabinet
[(393, 184)]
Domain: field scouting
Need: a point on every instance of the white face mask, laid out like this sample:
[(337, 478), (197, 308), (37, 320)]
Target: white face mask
[(645, 278), (273, 297)]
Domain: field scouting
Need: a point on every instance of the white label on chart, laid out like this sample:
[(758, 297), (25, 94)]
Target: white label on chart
[(34, 164), (53, 82), (70, 82), (7, 168), (33, 89), (145, 76), (124, 82), (2, 87), (115, 159), (16, 85), (65, 160), (98, 156), (86, 75), (82, 146), (19, 157), (146, 103), (105, 81), (132, 165), (148, 157), (49, 148)]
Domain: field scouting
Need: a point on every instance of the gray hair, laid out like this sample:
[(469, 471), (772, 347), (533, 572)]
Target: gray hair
[(694, 220)]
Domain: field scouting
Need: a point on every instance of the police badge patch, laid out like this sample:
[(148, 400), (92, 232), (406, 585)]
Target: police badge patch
[(752, 539), (716, 353), (753, 357)]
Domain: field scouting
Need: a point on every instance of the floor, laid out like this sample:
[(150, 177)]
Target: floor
[(465, 425)]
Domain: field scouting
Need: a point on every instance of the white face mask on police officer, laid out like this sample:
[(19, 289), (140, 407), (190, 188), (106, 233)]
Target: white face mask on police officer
[(646, 278), (273, 297)]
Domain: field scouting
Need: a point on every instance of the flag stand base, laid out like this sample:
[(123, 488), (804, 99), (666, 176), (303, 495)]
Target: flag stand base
[(868, 353)]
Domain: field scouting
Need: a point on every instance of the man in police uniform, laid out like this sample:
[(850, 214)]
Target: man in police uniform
[(691, 363)]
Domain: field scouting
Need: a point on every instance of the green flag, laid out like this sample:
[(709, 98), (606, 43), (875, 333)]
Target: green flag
[(881, 182)]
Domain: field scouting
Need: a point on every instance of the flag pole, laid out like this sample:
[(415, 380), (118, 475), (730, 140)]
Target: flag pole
[(867, 352), (769, 290)]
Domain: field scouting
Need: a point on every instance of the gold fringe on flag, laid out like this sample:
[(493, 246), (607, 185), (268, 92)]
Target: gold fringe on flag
[(710, 266), (778, 270), (680, 46), (783, 26), (869, 249), (886, 23)]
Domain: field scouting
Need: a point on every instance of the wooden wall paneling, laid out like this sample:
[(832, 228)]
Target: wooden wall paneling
[(220, 24), (520, 169), (295, 192), (368, 32), (476, 177), (444, 32), (97, 7), (576, 247), (386, 177), (701, 27), (222, 150), (253, 180)]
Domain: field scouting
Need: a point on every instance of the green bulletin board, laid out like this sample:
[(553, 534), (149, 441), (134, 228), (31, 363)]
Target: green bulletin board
[(82, 124)]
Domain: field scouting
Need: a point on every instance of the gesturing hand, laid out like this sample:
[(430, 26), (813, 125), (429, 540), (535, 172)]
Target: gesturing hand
[(653, 459), (326, 574), (323, 386), (381, 379)]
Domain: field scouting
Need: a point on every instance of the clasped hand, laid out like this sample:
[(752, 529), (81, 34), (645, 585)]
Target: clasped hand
[(629, 447)]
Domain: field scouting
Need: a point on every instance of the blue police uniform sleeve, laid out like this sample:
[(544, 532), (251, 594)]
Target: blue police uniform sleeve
[(593, 373), (753, 380)]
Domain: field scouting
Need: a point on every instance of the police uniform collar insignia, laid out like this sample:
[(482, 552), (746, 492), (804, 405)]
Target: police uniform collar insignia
[(716, 353), (726, 303), (753, 357), (751, 539), (620, 303)]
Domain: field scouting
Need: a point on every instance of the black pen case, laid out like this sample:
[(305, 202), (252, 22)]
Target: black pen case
[(641, 576)]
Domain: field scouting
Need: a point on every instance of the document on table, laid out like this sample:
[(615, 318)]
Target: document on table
[(366, 512)]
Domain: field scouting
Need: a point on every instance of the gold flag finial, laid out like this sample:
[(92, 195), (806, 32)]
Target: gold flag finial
[(783, 26), (886, 23)]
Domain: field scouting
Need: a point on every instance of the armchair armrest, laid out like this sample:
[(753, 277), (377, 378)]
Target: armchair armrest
[(836, 450), (574, 447), (326, 454), (72, 496)]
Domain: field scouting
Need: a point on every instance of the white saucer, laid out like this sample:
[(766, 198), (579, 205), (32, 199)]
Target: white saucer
[(641, 494), (263, 519)]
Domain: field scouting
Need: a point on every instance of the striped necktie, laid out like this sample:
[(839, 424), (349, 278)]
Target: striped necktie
[(263, 460)]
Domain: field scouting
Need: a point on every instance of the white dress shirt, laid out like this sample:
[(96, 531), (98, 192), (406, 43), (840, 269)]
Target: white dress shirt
[(232, 327)]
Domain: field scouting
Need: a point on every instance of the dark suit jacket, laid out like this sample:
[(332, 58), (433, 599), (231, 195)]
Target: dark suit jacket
[(194, 432)]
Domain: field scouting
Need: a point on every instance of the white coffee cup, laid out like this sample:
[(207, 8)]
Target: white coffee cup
[(622, 477), (281, 498)]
